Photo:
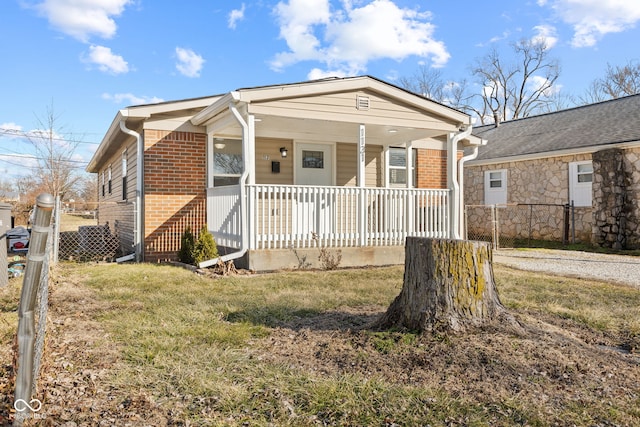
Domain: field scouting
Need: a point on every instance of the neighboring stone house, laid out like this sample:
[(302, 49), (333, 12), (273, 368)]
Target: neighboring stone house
[(277, 172), (588, 156)]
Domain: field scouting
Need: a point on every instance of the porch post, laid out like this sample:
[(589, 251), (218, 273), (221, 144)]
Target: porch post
[(409, 220), (360, 180)]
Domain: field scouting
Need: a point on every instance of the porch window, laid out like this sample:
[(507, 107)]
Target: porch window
[(227, 162), (580, 183), (398, 167)]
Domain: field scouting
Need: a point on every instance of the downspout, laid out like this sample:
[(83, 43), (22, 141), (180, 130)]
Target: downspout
[(244, 246), (452, 160), (461, 162), (137, 234)]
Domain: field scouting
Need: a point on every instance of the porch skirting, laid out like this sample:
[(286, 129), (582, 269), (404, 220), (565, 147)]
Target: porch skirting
[(282, 259)]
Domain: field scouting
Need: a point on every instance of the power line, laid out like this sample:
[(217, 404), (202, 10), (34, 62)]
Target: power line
[(29, 136), (29, 156)]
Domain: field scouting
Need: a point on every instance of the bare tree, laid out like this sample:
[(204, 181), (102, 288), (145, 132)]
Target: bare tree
[(426, 82), (617, 82), (56, 166), (511, 90)]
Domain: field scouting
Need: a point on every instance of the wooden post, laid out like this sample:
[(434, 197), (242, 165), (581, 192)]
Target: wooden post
[(448, 285)]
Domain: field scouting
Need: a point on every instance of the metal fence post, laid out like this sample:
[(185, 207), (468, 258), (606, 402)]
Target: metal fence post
[(26, 317)]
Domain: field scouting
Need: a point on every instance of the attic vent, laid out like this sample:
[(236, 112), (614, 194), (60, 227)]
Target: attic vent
[(363, 103)]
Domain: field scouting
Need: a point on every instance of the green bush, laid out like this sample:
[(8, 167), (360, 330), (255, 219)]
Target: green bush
[(206, 247), (187, 247)]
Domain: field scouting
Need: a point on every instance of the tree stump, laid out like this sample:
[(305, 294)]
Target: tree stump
[(448, 285)]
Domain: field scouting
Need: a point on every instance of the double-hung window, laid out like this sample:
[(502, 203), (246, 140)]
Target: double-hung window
[(397, 171), (227, 162)]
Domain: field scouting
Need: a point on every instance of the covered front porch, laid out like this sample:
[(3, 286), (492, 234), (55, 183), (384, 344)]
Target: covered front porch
[(336, 164)]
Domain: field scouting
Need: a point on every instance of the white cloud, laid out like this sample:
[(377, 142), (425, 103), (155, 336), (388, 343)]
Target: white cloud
[(131, 99), (545, 34), (10, 127), (189, 63), (537, 82), (235, 16), (106, 60), (347, 39), (83, 18), (592, 19)]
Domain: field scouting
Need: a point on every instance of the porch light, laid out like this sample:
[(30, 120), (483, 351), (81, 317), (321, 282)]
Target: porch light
[(219, 144), (283, 152)]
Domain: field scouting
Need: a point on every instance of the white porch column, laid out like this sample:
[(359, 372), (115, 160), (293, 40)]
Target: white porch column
[(360, 182), (251, 154), (409, 220)]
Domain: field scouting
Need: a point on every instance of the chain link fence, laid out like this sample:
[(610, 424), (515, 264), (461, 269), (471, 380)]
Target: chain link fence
[(94, 231), (517, 225)]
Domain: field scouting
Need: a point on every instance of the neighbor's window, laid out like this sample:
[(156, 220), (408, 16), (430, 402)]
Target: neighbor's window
[(227, 162), (398, 167), (580, 183), (103, 184), (495, 187)]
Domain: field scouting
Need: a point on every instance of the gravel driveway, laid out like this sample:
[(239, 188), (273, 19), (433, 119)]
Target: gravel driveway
[(585, 265)]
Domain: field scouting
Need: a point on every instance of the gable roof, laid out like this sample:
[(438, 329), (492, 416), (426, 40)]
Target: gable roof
[(587, 129)]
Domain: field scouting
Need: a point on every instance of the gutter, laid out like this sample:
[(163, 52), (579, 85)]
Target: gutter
[(452, 158), (137, 234), (461, 162), (247, 133)]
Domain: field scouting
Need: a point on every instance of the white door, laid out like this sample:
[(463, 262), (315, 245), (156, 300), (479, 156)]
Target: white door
[(314, 164), (313, 209)]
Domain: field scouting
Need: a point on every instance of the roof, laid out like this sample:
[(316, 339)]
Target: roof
[(586, 128)]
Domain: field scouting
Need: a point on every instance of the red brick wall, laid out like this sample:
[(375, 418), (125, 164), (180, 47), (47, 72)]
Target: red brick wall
[(175, 190), (432, 168)]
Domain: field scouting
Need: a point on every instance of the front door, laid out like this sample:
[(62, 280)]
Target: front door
[(313, 207), (314, 164)]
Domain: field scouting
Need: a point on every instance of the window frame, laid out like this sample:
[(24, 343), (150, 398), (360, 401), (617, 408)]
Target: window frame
[(495, 195), (413, 169)]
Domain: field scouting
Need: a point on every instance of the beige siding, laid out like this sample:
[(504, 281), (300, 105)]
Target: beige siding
[(347, 165), (342, 106), (268, 151), (112, 208)]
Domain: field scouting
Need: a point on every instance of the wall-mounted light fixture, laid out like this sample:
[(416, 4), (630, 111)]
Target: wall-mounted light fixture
[(283, 152), (219, 143)]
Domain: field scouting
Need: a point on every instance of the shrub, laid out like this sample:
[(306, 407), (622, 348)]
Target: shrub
[(206, 247), (187, 247)]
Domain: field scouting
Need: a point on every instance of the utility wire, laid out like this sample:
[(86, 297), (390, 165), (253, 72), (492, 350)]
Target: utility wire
[(43, 136)]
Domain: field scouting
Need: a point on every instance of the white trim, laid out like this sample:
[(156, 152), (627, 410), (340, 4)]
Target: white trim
[(495, 195), (580, 193)]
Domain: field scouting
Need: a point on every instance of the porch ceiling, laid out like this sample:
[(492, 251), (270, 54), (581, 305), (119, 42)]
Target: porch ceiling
[(305, 129)]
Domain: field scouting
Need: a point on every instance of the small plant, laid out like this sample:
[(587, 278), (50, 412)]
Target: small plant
[(187, 246), (328, 259), (303, 264), (205, 247)]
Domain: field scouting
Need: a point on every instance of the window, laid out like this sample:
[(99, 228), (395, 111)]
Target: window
[(398, 167), (102, 183), (312, 159), (495, 187), (124, 175), (580, 183), (109, 179), (227, 162)]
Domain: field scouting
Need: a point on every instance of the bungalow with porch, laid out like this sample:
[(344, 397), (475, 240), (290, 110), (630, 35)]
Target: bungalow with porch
[(277, 172)]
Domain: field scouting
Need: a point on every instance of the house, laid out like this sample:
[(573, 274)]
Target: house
[(587, 156), (277, 172)]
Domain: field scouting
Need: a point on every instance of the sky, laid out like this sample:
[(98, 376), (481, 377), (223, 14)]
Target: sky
[(83, 60)]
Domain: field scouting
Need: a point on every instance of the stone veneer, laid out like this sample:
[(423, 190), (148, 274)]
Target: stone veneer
[(616, 187), (535, 181)]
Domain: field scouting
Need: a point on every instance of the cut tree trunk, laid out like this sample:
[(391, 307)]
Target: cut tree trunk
[(448, 285)]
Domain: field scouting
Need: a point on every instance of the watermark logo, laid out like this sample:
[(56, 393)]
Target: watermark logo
[(22, 405)]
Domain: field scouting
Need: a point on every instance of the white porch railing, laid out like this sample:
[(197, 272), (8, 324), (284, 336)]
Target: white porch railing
[(283, 216)]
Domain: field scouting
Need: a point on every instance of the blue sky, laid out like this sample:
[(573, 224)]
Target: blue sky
[(89, 58)]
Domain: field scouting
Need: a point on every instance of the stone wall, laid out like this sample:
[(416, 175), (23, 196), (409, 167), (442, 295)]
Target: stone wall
[(535, 181), (616, 187)]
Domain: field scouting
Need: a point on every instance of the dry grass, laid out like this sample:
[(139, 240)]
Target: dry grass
[(158, 345)]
